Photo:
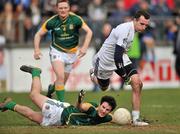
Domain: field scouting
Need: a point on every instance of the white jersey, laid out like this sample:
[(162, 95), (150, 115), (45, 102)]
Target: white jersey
[(123, 36)]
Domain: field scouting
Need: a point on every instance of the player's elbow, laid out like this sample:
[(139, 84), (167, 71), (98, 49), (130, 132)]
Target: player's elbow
[(90, 33), (84, 106)]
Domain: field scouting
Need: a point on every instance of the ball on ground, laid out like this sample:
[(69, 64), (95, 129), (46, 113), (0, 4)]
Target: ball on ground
[(122, 116)]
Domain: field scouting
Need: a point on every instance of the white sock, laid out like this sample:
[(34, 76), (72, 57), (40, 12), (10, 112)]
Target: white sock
[(135, 115)]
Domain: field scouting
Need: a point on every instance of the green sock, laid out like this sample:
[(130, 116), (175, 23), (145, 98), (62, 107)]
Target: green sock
[(60, 95), (10, 105), (36, 72)]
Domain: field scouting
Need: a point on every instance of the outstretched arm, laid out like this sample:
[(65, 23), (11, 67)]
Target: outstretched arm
[(87, 40), (80, 105), (80, 98), (37, 40)]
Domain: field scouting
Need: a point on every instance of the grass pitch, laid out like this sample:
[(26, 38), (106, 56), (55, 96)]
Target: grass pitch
[(160, 106)]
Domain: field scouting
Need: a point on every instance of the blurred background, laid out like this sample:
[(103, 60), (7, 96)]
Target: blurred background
[(154, 51)]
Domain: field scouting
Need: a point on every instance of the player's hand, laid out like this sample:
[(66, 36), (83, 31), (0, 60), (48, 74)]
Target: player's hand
[(81, 96), (81, 53), (37, 54)]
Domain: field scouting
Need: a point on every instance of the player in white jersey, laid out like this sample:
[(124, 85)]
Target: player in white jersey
[(113, 57)]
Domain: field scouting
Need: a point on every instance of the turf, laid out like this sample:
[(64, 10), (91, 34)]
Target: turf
[(159, 106)]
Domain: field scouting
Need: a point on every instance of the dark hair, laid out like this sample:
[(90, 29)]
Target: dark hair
[(110, 100), (59, 1), (140, 13)]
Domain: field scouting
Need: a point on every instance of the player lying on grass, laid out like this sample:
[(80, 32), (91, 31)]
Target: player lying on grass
[(60, 113)]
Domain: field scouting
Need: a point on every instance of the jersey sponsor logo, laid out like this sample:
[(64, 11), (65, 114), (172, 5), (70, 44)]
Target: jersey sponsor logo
[(57, 28), (71, 26), (127, 43)]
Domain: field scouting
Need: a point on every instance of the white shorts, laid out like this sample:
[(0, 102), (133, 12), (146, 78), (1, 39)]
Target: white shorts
[(51, 111), (67, 58), (104, 69)]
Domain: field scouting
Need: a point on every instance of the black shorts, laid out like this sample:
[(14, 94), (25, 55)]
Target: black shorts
[(130, 70)]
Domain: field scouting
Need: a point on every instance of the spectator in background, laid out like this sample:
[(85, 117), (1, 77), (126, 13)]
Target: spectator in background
[(177, 53), (170, 3), (2, 3), (28, 36), (118, 14), (48, 7), (79, 7), (106, 29), (7, 22), (147, 40), (32, 20), (170, 31), (140, 5), (26, 3), (74, 6), (130, 3), (97, 14), (20, 17), (36, 15), (177, 46), (161, 9)]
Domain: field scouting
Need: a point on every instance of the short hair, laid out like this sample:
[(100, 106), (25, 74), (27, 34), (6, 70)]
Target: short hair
[(59, 1), (140, 13), (110, 100)]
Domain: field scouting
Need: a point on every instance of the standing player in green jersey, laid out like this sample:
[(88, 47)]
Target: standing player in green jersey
[(56, 113), (64, 28)]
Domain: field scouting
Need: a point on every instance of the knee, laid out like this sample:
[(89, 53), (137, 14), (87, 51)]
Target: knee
[(32, 96), (137, 85), (103, 84), (140, 84)]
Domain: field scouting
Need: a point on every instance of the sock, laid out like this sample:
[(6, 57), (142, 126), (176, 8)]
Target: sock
[(36, 73), (135, 115), (60, 92), (10, 105)]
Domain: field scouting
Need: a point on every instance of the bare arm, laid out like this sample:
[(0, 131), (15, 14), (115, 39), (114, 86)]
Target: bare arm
[(87, 40), (80, 105), (80, 98), (37, 39)]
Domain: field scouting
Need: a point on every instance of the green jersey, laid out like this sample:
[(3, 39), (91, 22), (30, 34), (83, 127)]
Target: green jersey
[(65, 33), (73, 116)]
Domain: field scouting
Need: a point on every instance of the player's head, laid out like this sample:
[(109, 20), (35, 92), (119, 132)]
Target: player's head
[(141, 20), (107, 104), (63, 8)]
